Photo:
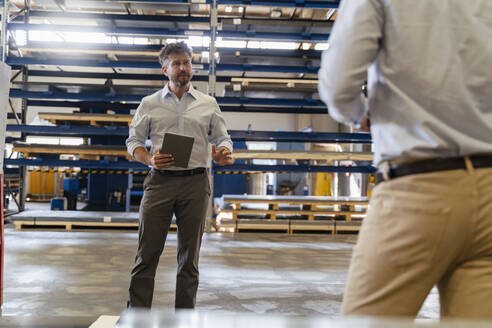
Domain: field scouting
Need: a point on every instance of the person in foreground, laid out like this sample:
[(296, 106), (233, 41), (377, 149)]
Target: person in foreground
[(168, 190), (429, 222)]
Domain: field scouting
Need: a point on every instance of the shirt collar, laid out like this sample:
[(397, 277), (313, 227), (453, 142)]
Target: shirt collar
[(192, 91)]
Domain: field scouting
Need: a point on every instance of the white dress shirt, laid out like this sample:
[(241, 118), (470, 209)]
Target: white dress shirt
[(429, 79), (196, 115)]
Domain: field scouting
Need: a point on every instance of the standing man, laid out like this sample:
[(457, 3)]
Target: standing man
[(178, 108), (430, 104)]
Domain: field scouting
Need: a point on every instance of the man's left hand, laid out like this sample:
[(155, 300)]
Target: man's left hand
[(222, 156)]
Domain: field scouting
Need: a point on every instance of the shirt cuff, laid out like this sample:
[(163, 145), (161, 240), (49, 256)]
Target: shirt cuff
[(226, 144)]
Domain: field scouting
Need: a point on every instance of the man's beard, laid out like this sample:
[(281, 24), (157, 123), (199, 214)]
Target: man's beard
[(181, 83)]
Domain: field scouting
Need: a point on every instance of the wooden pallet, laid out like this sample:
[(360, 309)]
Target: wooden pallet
[(353, 226), (311, 206), (72, 225), (290, 155), (272, 214), (88, 118), (84, 151), (289, 226)]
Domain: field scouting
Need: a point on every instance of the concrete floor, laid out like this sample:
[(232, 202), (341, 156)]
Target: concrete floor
[(59, 273)]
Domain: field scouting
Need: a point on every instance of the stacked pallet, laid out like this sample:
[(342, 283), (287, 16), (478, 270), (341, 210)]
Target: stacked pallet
[(293, 213), (71, 220)]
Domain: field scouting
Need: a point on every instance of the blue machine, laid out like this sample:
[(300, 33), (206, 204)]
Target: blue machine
[(107, 191), (232, 184), (58, 204), (71, 184)]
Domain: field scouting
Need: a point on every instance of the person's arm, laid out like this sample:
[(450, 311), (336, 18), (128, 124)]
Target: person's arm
[(158, 161), (141, 155), (353, 46), (220, 139), (135, 143)]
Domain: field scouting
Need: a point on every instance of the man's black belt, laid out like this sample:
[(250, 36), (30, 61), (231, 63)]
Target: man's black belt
[(182, 173), (388, 172)]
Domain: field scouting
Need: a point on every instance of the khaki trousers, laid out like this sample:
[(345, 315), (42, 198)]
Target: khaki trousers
[(424, 230), (187, 197)]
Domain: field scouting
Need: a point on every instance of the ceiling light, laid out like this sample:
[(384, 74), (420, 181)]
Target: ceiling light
[(321, 46)]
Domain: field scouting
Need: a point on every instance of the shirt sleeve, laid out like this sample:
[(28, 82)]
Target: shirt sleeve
[(353, 46), (218, 131), (138, 131)]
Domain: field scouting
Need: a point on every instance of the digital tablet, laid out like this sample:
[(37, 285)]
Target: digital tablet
[(179, 146)]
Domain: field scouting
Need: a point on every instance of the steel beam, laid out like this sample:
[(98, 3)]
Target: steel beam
[(117, 76), (278, 3), (55, 94), (313, 137), (112, 17), (282, 3), (166, 32), (104, 164), (121, 107), (309, 69), (68, 130), (236, 135), (154, 18), (155, 48), (293, 168), (82, 104)]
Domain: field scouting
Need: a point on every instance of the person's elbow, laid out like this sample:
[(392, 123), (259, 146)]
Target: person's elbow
[(132, 145), (344, 105)]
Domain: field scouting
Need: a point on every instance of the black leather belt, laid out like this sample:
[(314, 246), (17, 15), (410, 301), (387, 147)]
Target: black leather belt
[(182, 173), (430, 165)]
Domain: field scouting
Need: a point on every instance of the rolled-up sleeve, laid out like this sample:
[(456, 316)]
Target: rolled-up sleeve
[(353, 47), (138, 131), (218, 131)]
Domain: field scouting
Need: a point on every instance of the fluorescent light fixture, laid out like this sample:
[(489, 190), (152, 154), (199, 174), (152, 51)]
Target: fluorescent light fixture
[(140, 40), (195, 41), (206, 56), (125, 40), (279, 45), (231, 44), (71, 141), (20, 37), (44, 36), (306, 46), (254, 44), (321, 46), (228, 9), (43, 140)]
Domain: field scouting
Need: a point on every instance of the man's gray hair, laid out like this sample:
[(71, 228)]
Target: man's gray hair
[(174, 48)]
